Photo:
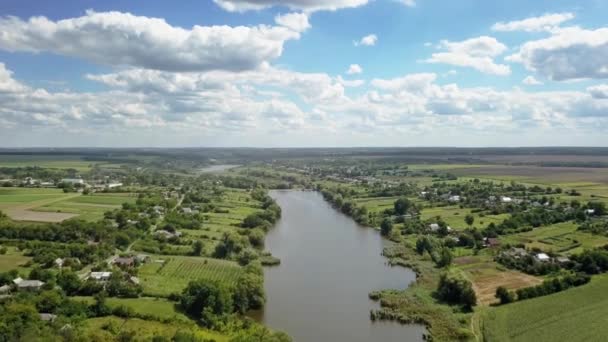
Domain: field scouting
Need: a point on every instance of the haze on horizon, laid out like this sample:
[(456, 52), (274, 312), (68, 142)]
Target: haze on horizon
[(303, 73)]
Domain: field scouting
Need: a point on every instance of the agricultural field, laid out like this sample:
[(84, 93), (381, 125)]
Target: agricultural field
[(107, 328), (52, 162), (175, 272), (13, 259), (88, 207), (558, 238), (19, 204), (578, 314), (487, 275)]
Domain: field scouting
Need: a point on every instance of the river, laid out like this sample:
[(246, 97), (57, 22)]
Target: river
[(329, 264)]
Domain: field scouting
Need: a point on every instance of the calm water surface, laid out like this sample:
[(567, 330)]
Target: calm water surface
[(329, 264)]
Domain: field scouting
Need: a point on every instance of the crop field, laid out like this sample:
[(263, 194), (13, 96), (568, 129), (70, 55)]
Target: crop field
[(577, 314), (176, 272), (559, 238), (13, 259), (89, 207), (52, 162), (486, 276), (19, 204), (145, 330)]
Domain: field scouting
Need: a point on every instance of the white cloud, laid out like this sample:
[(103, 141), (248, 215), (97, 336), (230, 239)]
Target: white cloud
[(411, 82), (295, 21), (570, 53), (531, 81), (7, 83), (369, 40), (125, 39), (354, 69), (548, 22), (477, 53), (349, 83), (599, 91), (305, 5), (408, 3)]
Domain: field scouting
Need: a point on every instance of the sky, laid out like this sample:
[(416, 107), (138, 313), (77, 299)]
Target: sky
[(303, 73)]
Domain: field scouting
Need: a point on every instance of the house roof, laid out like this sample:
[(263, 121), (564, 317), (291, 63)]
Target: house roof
[(30, 283), (5, 288), (47, 317), (542, 256)]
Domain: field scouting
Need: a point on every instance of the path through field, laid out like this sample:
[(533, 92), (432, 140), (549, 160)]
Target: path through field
[(24, 212)]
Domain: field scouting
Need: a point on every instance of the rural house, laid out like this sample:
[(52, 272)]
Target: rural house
[(125, 262), (30, 285)]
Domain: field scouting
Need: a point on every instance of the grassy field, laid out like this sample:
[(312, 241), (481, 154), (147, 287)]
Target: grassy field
[(89, 207), (18, 203), (157, 307), (577, 314), (454, 216), (16, 196), (107, 328), (162, 279), (559, 238), (13, 260)]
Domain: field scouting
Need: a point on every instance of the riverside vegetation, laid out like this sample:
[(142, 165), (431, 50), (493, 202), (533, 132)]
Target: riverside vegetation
[(173, 254)]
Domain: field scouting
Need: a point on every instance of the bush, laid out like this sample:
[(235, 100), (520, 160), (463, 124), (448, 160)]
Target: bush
[(455, 289)]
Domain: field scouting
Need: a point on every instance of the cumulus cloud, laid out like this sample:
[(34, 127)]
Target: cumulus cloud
[(369, 40), (548, 22), (295, 21), (305, 5), (531, 81), (7, 83), (599, 91), (125, 39), (477, 53), (354, 69), (569, 53)]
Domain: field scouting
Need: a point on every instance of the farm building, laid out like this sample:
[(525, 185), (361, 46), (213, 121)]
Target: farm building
[(47, 317), (5, 289), (59, 262), (505, 199)]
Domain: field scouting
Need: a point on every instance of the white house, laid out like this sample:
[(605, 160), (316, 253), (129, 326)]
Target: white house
[(542, 257), (505, 199), (590, 211), (114, 185), (434, 227), (30, 285), (454, 198), (100, 276), (59, 262)]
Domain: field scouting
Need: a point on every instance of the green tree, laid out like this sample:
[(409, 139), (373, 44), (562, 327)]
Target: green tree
[(197, 248), (504, 295), (386, 227), (469, 219), (402, 205), (69, 281), (207, 300)]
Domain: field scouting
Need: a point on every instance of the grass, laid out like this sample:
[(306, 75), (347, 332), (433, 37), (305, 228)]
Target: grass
[(13, 259), (108, 328), (559, 238), (17, 196), (162, 279), (577, 314), (454, 216), (157, 307), (52, 162), (89, 207)]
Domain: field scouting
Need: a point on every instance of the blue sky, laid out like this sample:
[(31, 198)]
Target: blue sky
[(276, 73)]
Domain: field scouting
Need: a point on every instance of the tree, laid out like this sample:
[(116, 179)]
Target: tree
[(445, 257), (69, 282), (469, 219), (504, 295), (402, 205), (197, 248), (455, 289), (207, 300), (386, 227)]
